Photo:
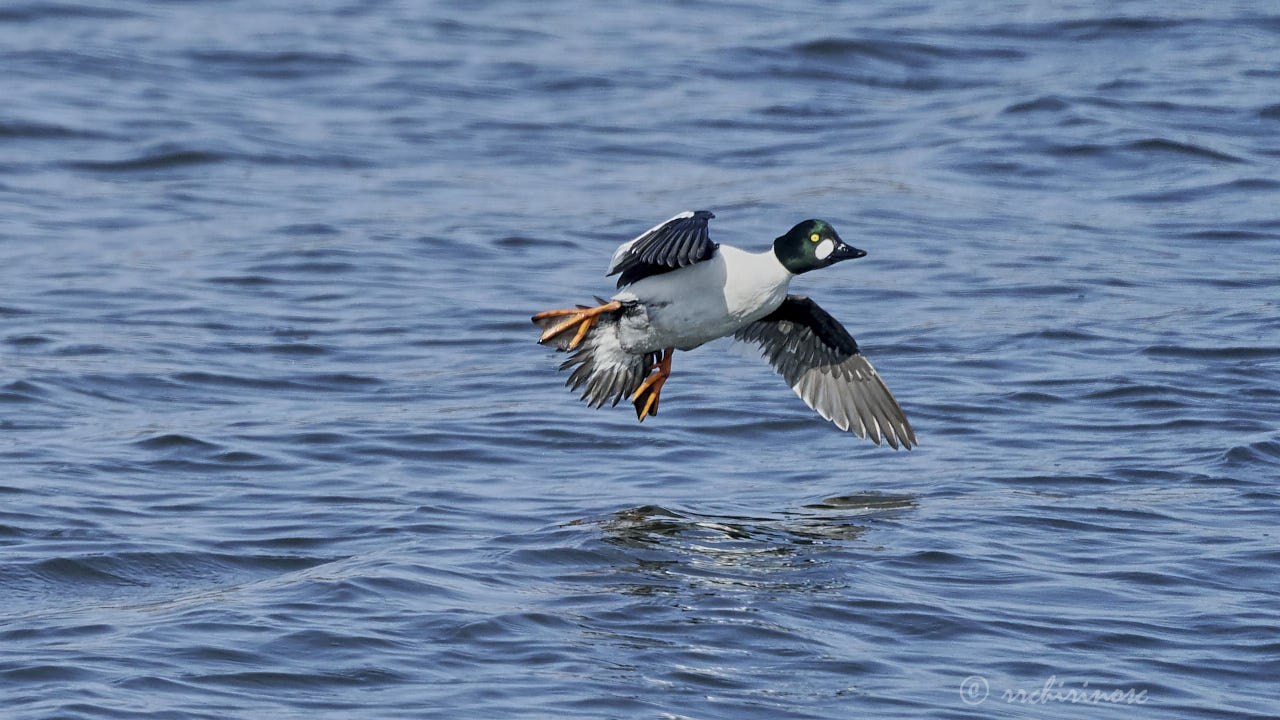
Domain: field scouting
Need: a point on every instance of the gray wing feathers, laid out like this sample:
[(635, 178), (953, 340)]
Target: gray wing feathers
[(822, 364)]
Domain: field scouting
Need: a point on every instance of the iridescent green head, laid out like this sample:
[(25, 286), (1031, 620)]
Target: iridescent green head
[(810, 245)]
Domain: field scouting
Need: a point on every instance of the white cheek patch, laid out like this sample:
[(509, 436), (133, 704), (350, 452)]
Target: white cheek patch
[(825, 248)]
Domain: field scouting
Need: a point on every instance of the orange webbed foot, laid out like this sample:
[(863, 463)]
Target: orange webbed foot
[(582, 318), (645, 397)]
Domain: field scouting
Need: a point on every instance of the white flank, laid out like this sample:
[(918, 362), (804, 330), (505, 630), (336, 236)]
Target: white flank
[(704, 301)]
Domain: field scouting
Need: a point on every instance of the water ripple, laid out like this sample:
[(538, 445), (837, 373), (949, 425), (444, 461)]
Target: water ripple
[(278, 438)]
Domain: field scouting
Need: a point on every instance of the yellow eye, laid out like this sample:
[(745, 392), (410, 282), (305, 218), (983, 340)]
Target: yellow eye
[(814, 238)]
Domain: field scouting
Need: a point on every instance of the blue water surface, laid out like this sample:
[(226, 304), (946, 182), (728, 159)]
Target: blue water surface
[(276, 439)]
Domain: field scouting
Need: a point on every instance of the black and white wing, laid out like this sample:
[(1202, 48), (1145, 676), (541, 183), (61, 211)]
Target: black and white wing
[(680, 241), (822, 364)]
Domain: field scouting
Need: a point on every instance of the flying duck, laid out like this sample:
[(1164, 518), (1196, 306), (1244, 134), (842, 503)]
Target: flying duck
[(678, 290)]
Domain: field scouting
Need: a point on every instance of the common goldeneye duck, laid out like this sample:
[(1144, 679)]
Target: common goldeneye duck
[(678, 290)]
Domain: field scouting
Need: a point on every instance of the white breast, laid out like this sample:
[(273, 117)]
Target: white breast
[(687, 307)]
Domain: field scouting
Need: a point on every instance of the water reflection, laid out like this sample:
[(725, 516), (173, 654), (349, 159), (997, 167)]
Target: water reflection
[(779, 552)]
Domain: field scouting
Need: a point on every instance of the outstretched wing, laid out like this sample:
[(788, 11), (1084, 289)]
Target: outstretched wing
[(822, 364), (680, 241)]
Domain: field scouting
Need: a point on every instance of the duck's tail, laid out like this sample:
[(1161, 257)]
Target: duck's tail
[(604, 371)]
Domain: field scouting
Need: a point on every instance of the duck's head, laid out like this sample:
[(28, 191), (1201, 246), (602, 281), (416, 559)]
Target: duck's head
[(810, 245)]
